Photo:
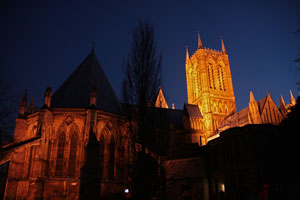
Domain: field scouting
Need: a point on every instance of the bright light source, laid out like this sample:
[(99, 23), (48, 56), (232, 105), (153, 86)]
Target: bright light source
[(126, 190), (222, 187)]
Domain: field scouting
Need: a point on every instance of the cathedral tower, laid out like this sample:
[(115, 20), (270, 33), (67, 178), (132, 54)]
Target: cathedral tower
[(209, 85)]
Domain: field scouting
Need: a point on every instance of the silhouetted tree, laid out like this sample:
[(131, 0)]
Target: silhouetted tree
[(142, 71), (298, 60)]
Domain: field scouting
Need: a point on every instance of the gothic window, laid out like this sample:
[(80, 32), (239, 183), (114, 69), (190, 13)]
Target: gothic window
[(213, 78), (209, 75), (112, 158), (221, 78), (60, 154), (101, 154), (195, 84), (72, 155)]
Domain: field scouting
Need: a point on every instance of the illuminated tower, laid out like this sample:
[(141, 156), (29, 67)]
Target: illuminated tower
[(209, 85)]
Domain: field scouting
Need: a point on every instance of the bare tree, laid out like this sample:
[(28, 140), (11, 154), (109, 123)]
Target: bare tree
[(142, 76), (142, 70)]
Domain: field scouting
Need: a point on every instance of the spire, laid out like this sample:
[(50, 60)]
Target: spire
[(282, 106), (282, 101), (187, 55), (292, 100), (200, 46), (223, 46), (47, 97), (252, 99), (253, 110), (23, 104)]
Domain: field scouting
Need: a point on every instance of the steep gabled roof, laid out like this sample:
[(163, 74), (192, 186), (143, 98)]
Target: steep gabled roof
[(75, 91), (161, 100)]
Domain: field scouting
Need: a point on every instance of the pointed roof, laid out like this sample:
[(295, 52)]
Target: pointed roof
[(187, 55), (75, 91), (282, 103), (292, 100), (161, 100), (252, 99), (223, 46), (200, 46)]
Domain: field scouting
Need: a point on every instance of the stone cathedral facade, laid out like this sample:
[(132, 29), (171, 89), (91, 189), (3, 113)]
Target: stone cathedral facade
[(209, 86), (80, 134)]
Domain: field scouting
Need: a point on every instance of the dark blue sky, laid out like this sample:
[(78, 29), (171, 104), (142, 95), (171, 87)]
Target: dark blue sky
[(42, 43)]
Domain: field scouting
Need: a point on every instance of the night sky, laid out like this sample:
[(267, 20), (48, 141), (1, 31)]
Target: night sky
[(42, 43)]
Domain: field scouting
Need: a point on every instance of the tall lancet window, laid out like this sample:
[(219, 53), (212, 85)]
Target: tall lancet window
[(60, 154), (220, 78), (112, 158), (211, 78), (101, 155), (223, 80), (209, 67), (72, 155)]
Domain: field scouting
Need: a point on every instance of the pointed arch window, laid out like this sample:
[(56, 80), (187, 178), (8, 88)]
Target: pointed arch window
[(209, 75), (101, 154), (221, 78), (112, 158), (211, 78), (72, 154), (60, 154)]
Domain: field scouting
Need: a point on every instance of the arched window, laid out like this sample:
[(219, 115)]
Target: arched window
[(72, 155), (60, 154), (101, 154), (221, 78), (213, 78), (210, 75), (112, 158)]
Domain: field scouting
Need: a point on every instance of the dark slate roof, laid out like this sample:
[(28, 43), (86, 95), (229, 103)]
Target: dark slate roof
[(166, 116), (75, 91), (185, 168), (193, 111)]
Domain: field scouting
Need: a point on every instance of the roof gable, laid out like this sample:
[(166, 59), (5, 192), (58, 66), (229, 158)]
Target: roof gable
[(75, 91), (161, 100)]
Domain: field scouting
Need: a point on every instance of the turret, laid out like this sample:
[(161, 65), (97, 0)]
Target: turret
[(253, 110), (47, 97), (187, 55), (223, 46), (23, 104), (200, 46), (93, 94), (292, 100)]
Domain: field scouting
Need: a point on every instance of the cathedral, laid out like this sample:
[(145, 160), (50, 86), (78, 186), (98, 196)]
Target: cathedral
[(209, 85), (80, 132)]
